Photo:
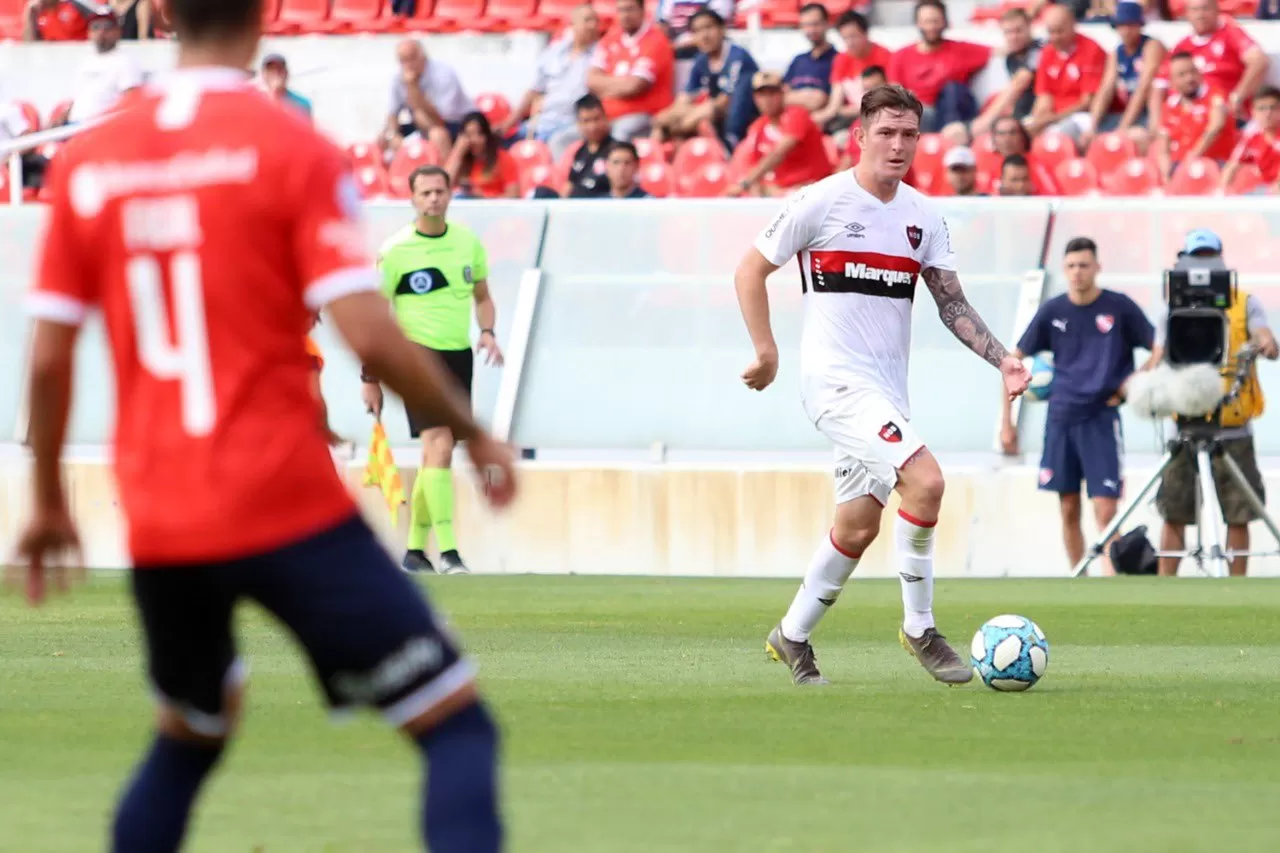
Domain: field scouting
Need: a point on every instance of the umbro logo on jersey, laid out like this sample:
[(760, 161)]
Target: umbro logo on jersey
[(915, 236), (856, 229), (1105, 322), (891, 433), (867, 273)]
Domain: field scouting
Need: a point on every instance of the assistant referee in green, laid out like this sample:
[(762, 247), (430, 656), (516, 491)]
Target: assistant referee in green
[(433, 271)]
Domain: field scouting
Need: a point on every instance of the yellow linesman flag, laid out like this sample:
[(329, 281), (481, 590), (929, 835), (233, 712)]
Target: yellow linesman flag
[(381, 470)]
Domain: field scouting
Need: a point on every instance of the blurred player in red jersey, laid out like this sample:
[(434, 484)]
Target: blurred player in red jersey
[(208, 226), (317, 390)]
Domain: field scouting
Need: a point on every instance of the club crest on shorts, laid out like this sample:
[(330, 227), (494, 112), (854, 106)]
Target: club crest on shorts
[(1106, 322), (915, 235), (890, 433), (1046, 474)]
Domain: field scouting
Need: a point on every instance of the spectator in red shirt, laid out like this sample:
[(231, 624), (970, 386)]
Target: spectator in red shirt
[(1260, 146), (1229, 60), (1195, 119), (860, 53), (1015, 176), (784, 141), (938, 70), (1010, 138), (633, 72), (54, 20), (1070, 71), (478, 164), (1021, 58), (872, 78)]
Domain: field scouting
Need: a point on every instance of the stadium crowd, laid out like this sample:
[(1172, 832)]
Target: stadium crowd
[(605, 117)]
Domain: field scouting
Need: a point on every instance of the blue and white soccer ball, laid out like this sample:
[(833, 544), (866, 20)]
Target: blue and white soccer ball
[(1041, 368), (1009, 653)]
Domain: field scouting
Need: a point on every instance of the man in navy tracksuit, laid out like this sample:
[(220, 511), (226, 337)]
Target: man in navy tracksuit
[(1092, 334)]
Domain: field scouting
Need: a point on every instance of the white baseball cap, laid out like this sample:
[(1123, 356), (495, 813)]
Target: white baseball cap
[(961, 156)]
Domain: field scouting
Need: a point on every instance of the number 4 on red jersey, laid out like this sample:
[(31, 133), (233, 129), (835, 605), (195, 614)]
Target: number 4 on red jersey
[(208, 224)]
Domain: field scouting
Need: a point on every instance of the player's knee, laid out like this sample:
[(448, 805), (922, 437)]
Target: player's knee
[(207, 730), (921, 481), (853, 537), (436, 716), (437, 448)]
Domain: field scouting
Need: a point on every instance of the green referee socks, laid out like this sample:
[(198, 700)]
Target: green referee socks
[(438, 490), (419, 514)]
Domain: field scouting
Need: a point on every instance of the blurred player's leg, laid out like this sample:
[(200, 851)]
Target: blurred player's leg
[(921, 485), (186, 618), (374, 641)]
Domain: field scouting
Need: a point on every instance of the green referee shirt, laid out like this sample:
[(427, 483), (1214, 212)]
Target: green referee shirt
[(431, 282)]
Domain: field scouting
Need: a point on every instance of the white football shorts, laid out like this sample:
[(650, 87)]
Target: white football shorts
[(872, 441)]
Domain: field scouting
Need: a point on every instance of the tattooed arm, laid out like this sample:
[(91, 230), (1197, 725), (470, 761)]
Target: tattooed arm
[(961, 317)]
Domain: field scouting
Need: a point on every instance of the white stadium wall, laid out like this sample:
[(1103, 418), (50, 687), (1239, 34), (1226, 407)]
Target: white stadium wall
[(348, 77), (651, 457)]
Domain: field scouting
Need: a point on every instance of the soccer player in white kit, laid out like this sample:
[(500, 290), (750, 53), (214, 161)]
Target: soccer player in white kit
[(863, 237)]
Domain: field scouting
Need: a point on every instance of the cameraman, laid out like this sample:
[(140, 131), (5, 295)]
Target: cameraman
[(1176, 498)]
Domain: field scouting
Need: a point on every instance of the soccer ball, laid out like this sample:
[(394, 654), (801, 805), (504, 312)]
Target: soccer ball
[(1009, 653), (1041, 368)]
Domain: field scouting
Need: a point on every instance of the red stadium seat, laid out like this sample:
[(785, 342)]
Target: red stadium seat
[(566, 159), (647, 150), (496, 107), (1110, 151), (412, 154), (929, 153), (298, 16), (1137, 177), (348, 16), (11, 19), (657, 179), (1051, 148), (1076, 177), (1246, 179), (984, 152), (449, 16), (364, 154), (608, 12), (780, 13), (836, 8), (697, 151), (556, 12), (833, 150), (740, 161), (531, 152), (372, 180), (542, 175), (707, 180), (270, 11), (1198, 176), (503, 15)]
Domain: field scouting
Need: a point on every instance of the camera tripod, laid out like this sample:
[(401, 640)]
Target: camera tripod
[(1211, 556)]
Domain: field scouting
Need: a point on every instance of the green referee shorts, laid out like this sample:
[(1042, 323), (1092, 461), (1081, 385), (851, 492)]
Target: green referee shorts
[(460, 364)]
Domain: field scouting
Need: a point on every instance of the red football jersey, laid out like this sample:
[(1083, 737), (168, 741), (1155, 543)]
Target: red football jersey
[(807, 161), (1185, 120), (1067, 77), (926, 73), (208, 225), (1262, 150), (64, 22), (1219, 56), (846, 70)]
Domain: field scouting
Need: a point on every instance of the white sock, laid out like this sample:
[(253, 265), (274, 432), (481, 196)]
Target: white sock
[(915, 569), (829, 568)]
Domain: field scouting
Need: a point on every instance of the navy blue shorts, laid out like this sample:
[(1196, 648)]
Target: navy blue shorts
[(371, 637), (1088, 450)]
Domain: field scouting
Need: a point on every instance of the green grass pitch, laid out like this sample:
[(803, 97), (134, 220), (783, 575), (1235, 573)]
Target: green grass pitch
[(642, 715)]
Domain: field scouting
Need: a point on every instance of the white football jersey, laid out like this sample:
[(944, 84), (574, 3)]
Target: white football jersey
[(859, 260)]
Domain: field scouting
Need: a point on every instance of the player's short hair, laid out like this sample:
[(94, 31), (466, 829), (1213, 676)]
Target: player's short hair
[(708, 13), (202, 19), (816, 7), (891, 97), (930, 4), (428, 172), (620, 145), (587, 102), (1268, 92), (1016, 161), (853, 18), (1081, 244), (1015, 13), (1182, 54)]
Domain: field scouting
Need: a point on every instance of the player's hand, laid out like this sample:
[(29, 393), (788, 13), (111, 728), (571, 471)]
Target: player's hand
[(760, 374), (495, 468), (371, 395), (488, 346), (48, 550), (1016, 376), (1009, 440)]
